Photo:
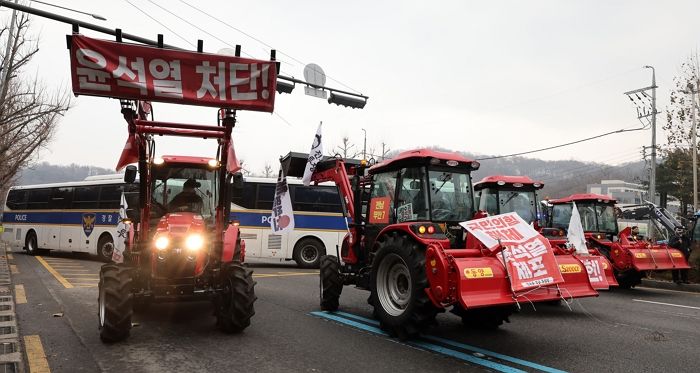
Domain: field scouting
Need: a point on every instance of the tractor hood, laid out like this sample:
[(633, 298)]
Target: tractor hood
[(181, 223)]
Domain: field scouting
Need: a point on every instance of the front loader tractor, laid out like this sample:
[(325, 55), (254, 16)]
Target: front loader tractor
[(406, 247), (499, 194), (631, 257), (180, 245)]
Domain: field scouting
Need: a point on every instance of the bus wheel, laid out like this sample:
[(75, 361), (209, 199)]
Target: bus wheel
[(105, 248), (308, 252), (30, 244)]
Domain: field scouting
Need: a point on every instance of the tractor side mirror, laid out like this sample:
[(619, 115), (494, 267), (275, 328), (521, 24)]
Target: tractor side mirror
[(130, 174), (237, 180)]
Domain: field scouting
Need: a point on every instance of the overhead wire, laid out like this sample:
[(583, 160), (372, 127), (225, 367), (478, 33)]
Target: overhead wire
[(160, 23)]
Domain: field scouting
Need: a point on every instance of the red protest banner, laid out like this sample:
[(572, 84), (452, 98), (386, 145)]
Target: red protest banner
[(527, 255), (128, 71)]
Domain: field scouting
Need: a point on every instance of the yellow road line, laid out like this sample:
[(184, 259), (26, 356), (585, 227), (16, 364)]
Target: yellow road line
[(20, 295), (13, 269), (55, 274), (282, 275), (84, 274), (35, 355)]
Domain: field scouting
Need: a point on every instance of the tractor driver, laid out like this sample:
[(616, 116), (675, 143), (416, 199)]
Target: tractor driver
[(187, 200)]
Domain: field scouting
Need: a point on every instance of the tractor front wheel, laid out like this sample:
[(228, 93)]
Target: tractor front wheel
[(115, 302), (234, 305), (331, 283), (398, 282)]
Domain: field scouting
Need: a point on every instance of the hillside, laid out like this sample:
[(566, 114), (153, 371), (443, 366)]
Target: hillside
[(43, 173)]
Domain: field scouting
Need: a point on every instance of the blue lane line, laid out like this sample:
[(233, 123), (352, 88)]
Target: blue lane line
[(452, 343), (423, 345)]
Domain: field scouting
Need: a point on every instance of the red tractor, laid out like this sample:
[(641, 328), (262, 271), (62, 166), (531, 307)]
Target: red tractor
[(500, 194), (630, 256), (406, 247), (180, 245)]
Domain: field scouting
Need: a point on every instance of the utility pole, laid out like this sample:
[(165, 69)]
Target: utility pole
[(692, 90), (644, 113), (364, 147)]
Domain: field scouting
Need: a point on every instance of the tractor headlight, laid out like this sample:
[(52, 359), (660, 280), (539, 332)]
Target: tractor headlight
[(194, 242), (162, 243)]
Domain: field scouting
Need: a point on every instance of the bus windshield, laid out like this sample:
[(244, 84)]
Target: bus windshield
[(184, 189)]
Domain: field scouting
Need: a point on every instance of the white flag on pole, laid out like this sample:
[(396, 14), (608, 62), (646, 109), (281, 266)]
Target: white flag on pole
[(122, 233), (575, 234), (315, 155), (282, 219)]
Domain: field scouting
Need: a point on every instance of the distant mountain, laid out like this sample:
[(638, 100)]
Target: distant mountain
[(561, 178), (44, 173)]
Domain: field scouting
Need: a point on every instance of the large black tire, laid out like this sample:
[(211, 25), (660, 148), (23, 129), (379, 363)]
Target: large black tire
[(105, 248), (628, 279), (397, 284), (234, 305), (308, 252), (115, 302), (30, 244), (487, 318), (331, 283)]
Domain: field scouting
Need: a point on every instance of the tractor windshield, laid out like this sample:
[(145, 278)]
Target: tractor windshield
[(184, 189), (450, 195), (594, 217), (520, 201)]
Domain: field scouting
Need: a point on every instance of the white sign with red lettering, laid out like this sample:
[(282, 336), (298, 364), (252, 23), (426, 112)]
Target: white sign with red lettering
[(527, 255), (594, 267)]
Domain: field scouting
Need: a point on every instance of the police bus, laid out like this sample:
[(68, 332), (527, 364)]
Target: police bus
[(319, 223), (74, 216)]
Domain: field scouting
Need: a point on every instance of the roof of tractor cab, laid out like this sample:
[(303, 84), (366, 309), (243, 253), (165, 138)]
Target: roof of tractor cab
[(421, 157), (507, 180), (583, 197), (186, 159)]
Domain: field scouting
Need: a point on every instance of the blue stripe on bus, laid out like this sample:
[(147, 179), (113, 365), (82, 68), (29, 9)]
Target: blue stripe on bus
[(260, 219), (60, 217)]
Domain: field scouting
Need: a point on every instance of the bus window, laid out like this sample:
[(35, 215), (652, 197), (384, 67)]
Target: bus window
[(17, 199), (86, 197), (266, 194), (318, 199), (61, 198), (38, 199), (110, 196), (244, 197)]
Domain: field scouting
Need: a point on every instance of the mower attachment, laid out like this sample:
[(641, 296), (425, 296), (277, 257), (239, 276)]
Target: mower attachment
[(656, 258)]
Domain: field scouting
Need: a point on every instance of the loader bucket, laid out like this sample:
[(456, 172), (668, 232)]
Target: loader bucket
[(657, 258), (483, 282), (576, 282)]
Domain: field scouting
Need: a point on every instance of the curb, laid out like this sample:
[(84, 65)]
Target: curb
[(10, 346), (668, 285)]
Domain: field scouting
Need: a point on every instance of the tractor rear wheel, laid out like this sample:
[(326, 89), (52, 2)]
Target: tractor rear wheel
[(331, 283), (398, 282), (115, 302), (483, 318), (628, 279), (234, 305)]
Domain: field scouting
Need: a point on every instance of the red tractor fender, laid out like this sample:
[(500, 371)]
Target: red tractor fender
[(230, 240)]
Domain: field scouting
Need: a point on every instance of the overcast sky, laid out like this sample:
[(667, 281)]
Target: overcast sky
[(490, 77)]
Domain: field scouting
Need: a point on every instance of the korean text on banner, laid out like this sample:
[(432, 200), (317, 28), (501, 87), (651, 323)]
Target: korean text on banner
[(282, 219), (138, 72), (527, 255), (122, 233), (575, 234), (595, 268), (315, 155)]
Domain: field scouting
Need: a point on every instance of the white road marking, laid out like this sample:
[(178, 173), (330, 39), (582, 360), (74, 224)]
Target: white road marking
[(666, 304)]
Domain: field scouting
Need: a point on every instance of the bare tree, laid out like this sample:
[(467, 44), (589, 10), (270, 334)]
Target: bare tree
[(29, 113), (385, 150), (268, 171), (678, 114), (244, 170), (346, 149)]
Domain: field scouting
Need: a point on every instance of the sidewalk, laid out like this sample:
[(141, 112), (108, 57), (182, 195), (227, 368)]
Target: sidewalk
[(668, 285), (10, 347)]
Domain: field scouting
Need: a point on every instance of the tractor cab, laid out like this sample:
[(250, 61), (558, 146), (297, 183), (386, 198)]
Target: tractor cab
[(597, 215), (500, 194), (421, 186)]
